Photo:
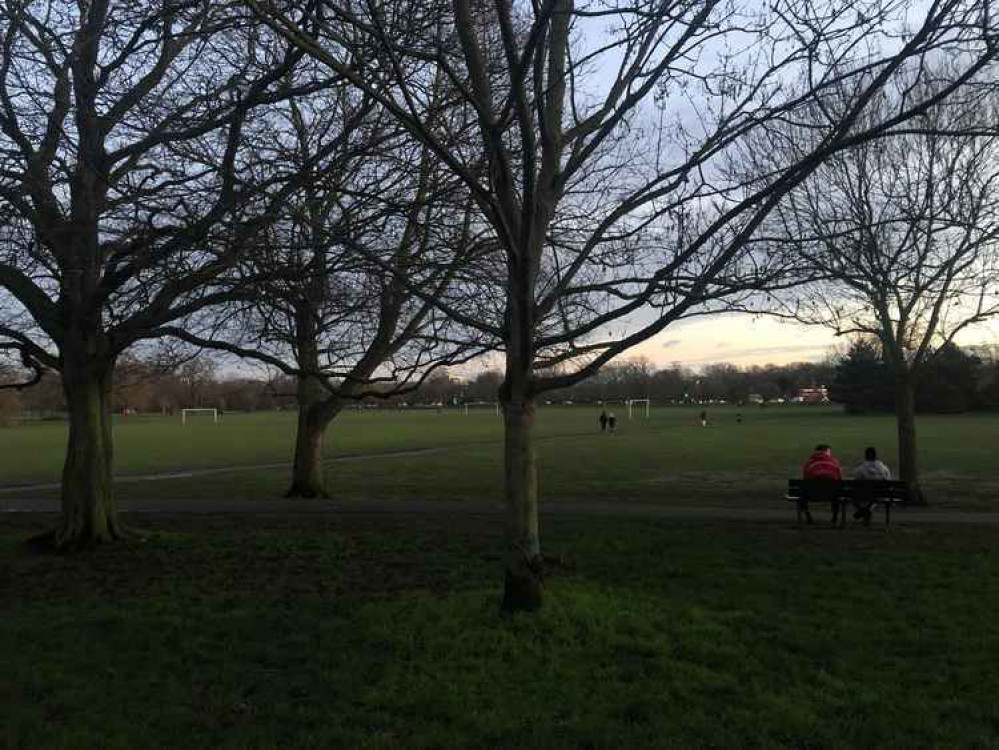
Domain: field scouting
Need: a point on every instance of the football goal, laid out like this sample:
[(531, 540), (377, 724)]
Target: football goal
[(631, 403), (185, 412)]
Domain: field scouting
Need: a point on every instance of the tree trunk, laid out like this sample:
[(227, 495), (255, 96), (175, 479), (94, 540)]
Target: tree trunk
[(89, 515), (522, 588), (905, 415), (314, 416)]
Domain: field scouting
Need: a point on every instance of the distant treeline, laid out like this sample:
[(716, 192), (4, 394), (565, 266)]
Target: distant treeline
[(954, 380), (957, 380)]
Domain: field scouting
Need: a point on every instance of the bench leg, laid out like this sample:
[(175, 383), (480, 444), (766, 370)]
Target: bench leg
[(802, 506)]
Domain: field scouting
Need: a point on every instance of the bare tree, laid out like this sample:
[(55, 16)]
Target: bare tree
[(901, 236), (127, 161), (604, 192), (345, 274)]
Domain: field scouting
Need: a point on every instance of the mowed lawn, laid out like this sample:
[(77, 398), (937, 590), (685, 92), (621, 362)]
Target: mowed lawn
[(668, 458), (384, 633)]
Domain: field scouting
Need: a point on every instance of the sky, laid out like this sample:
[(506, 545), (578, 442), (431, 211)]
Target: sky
[(742, 340), (745, 340), (739, 339)]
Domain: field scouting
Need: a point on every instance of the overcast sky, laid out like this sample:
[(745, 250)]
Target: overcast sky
[(744, 340)]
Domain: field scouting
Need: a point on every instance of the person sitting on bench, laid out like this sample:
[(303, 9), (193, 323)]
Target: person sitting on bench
[(821, 465), (870, 470)]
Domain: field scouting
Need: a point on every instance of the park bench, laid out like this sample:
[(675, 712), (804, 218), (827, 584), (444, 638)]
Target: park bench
[(839, 493)]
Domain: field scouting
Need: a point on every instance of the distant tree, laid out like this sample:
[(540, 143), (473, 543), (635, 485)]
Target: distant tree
[(130, 182), (440, 388), (988, 387), (723, 381), (485, 386), (863, 382), (671, 384), (901, 234), (949, 383), (610, 226), (196, 380), (10, 399), (348, 271)]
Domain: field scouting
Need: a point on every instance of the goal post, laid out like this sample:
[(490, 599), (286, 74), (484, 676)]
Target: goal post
[(633, 402), (185, 412)]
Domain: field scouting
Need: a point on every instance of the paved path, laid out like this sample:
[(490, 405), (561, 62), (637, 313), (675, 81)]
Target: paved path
[(187, 474), (451, 507), (15, 489)]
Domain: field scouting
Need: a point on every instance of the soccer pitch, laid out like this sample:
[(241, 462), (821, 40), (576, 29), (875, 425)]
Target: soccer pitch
[(423, 454)]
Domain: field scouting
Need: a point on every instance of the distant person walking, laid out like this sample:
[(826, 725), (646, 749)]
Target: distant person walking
[(603, 420), (869, 470), (612, 422), (821, 464)]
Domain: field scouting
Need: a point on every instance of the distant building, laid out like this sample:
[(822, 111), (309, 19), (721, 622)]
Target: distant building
[(817, 395)]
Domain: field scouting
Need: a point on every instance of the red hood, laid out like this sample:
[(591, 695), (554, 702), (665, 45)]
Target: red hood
[(820, 465)]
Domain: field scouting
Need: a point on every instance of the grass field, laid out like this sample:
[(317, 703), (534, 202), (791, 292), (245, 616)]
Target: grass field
[(667, 459), (380, 631), (356, 632)]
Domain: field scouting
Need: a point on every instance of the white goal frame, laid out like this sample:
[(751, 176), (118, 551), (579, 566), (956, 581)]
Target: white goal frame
[(633, 401), (183, 414)]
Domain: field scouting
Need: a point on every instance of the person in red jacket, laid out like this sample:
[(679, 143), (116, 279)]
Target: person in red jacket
[(821, 465)]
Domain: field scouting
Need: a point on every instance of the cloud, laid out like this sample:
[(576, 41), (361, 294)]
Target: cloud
[(670, 343), (761, 352)]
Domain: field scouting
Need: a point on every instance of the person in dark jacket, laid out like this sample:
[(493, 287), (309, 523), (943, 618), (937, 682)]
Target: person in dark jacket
[(603, 420)]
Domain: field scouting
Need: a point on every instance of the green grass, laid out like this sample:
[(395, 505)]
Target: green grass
[(668, 459), (359, 632)]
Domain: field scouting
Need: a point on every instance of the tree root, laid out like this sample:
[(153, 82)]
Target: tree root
[(64, 541), (306, 493)]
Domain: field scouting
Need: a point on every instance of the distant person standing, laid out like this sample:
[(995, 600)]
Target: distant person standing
[(704, 419), (612, 422), (870, 470), (603, 420)]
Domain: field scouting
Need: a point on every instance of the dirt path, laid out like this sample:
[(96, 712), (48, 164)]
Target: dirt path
[(188, 474), (776, 512), (14, 489)]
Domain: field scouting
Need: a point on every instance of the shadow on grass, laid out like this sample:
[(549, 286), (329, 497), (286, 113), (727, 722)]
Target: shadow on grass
[(379, 633)]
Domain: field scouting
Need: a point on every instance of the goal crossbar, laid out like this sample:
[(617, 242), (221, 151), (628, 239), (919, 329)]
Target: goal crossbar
[(185, 412)]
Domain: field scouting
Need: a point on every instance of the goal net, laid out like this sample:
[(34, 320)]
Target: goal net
[(637, 404), (185, 414)]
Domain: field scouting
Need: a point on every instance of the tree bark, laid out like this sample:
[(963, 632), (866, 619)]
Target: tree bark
[(905, 416), (89, 514), (314, 416), (522, 591)]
